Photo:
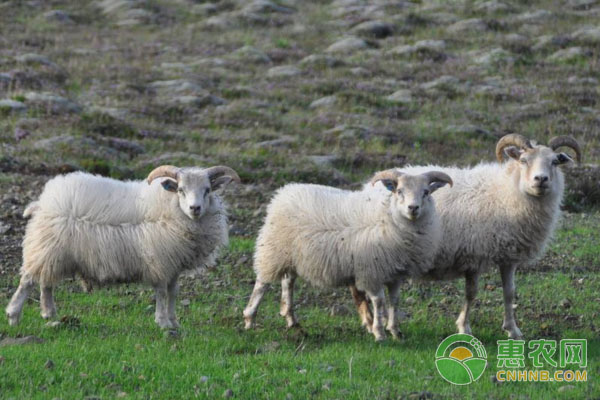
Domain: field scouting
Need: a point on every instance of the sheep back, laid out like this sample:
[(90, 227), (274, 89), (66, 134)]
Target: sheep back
[(333, 237), (110, 231)]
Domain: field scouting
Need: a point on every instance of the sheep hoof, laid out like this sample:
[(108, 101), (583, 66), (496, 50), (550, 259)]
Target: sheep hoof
[(515, 334), (13, 319), (164, 323), (396, 334), (379, 335), (48, 314), (175, 323), (248, 323)]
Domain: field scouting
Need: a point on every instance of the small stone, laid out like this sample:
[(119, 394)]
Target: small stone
[(491, 7), (20, 341), (33, 58), (228, 393), (443, 82), (199, 101), (302, 371), (319, 60), (53, 324), (410, 300), (468, 25), (566, 55), (4, 228), (339, 310), (121, 394), (52, 103), (587, 35), (185, 302), (49, 364), (326, 101), (58, 16), (402, 96), (534, 17), (565, 303), (9, 105), (252, 54), (326, 385), (283, 71), (347, 45), (377, 29), (203, 379), (281, 142)]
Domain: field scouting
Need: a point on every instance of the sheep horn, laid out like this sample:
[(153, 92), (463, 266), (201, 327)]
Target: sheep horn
[(392, 174), (438, 176), (566, 141), (220, 170), (513, 139), (164, 170)]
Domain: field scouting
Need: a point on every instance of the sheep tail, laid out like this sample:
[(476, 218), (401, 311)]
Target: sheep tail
[(31, 208)]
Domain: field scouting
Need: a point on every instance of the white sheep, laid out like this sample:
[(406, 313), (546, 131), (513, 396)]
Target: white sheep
[(108, 231), (496, 214), (332, 237)]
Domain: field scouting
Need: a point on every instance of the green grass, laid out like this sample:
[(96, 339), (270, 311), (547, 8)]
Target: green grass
[(109, 345)]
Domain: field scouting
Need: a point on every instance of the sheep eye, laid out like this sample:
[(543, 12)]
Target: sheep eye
[(523, 161), (206, 192), (560, 159), (426, 193), (180, 191)]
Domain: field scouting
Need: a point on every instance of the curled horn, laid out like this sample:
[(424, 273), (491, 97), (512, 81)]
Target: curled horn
[(438, 176), (391, 174), (220, 170), (513, 139), (170, 171), (566, 141)]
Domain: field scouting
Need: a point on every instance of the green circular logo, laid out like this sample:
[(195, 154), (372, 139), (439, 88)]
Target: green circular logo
[(461, 359)]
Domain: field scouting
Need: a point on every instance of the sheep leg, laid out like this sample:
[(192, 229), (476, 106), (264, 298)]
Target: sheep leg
[(507, 273), (287, 300), (378, 301), (260, 288), (161, 316), (15, 307), (392, 322), (47, 302), (172, 290), (362, 305), (471, 281)]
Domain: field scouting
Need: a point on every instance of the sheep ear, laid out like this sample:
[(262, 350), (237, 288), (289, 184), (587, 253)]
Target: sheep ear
[(563, 158), (513, 152), (220, 181), (433, 186), (389, 184), (169, 184)]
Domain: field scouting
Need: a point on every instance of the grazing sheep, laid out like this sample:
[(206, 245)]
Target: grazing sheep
[(333, 237), (108, 231), (501, 215)]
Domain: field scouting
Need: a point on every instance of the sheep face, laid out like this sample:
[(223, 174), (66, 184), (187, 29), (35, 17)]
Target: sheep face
[(193, 186), (411, 194), (538, 169), (193, 191)]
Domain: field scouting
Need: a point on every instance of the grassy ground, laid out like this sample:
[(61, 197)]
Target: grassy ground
[(108, 345), (192, 83)]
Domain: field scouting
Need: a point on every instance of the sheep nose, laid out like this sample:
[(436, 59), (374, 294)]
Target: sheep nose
[(413, 208), (541, 178), (195, 209)]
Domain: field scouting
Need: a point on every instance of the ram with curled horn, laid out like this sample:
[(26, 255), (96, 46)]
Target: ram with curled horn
[(498, 214), (138, 231)]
